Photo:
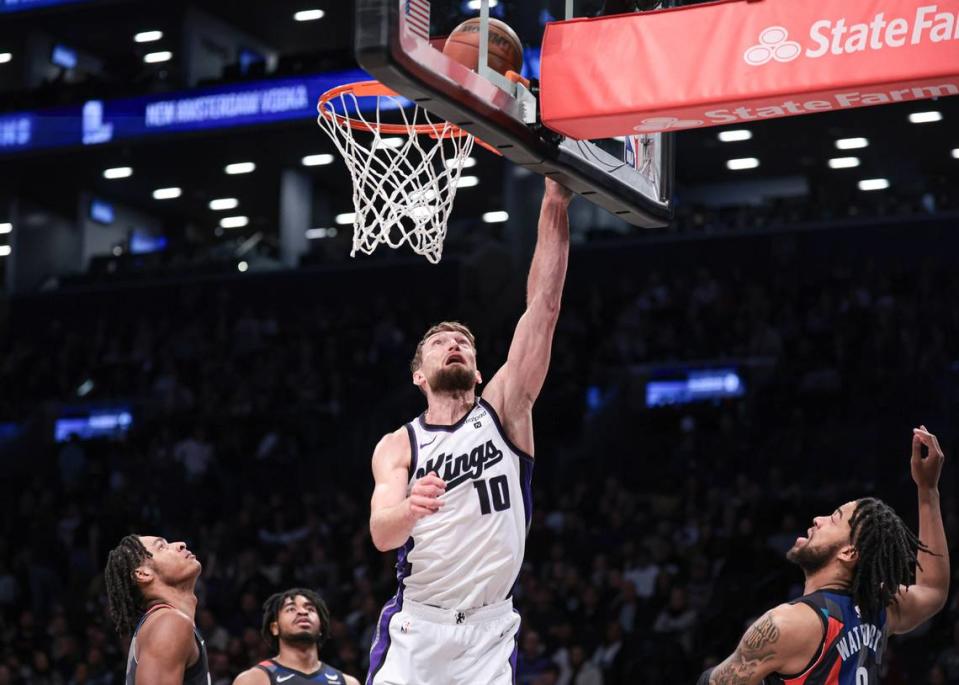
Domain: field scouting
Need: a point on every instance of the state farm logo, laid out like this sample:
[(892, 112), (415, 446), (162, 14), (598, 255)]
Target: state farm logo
[(773, 45), (663, 123)]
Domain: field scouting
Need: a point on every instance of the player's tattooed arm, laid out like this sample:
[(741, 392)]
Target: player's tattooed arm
[(783, 640), (755, 657)]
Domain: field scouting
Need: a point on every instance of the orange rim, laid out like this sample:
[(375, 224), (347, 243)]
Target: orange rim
[(377, 89)]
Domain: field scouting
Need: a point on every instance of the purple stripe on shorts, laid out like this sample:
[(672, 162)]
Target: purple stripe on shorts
[(381, 640), (515, 654)]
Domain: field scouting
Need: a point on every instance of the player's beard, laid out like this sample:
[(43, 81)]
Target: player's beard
[(452, 379), (811, 559), (300, 637)]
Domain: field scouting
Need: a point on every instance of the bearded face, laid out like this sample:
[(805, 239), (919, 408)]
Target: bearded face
[(811, 558), (452, 379)]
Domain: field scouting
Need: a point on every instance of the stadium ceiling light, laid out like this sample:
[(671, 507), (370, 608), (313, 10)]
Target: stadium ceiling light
[(240, 168), (874, 184), (6, 227), (742, 163), (309, 15), (851, 143), (468, 163), (467, 181), (242, 267), (116, 172), (157, 57), (955, 153), (147, 36), (735, 135), (843, 162), (476, 4), (318, 160), (315, 233), (5, 57), (390, 142), (224, 203), (345, 218), (5, 250), (925, 117), (234, 221), (495, 217), (167, 193)]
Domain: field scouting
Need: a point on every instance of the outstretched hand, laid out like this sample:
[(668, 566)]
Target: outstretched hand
[(926, 470), (557, 191)]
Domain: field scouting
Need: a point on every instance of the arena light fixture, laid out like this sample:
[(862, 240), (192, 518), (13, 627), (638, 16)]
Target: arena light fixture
[(6, 227), (345, 218), (318, 160), (167, 193), (874, 184), (234, 221), (317, 233), (467, 181), (925, 117), (147, 36), (116, 172), (5, 57), (468, 163), (735, 135), (742, 163), (390, 142), (495, 217), (851, 143), (309, 15), (955, 153), (476, 4), (843, 162), (157, 57), (240, 168), (5, 250), (223, 203), (242, 267)]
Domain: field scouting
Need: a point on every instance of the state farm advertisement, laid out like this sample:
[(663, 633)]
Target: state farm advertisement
[(736, 62)]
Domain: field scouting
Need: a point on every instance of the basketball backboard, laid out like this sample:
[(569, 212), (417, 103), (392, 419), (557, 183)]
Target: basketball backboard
[(399, 42)]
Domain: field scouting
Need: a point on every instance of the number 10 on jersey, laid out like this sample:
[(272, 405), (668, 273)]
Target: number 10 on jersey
[(495, 493)]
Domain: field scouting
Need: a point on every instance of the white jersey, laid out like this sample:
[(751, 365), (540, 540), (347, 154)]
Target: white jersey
[(469, 553)]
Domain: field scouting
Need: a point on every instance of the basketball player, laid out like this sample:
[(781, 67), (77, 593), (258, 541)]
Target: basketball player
[(858, 565), (296, 624), (150, 587), (453, 490)]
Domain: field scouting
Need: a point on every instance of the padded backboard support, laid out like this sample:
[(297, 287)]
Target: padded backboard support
[(407, 63)]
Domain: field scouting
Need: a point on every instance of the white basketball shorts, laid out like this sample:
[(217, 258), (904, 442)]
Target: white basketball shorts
[(416, 644)]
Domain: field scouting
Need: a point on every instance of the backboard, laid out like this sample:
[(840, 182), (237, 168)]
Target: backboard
[(399, 43)]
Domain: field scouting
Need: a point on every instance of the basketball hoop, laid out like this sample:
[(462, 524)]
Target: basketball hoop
[(403, 186)]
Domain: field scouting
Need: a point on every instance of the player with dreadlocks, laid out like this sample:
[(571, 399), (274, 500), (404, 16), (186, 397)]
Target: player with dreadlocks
[(296, 623), (150, 587), (867, 575)]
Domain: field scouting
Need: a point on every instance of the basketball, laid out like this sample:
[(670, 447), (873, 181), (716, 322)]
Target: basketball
[(505, 48)]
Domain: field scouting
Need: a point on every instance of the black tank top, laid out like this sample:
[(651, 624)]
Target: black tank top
[(281, 675), (851, 650), (197, 674)]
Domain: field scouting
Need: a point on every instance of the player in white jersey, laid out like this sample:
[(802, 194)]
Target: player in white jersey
[(453, 491)]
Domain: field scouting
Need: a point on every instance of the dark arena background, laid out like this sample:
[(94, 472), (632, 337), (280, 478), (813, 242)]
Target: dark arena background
[(187, 348)]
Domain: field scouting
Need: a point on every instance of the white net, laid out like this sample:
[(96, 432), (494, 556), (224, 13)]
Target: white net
[(403, 185)]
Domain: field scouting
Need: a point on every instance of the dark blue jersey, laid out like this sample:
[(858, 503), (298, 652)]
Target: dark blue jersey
[(851, 650), (282, 675), (197, 674)]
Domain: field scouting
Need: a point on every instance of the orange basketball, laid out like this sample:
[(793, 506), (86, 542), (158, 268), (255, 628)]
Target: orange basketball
[(505, 48)]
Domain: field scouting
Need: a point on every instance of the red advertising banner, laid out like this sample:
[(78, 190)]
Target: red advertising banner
[(744, 60)]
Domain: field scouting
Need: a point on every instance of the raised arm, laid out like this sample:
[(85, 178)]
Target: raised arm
[(783, 640), (517, 384), (392, 513), (165, 649), (921, 601)]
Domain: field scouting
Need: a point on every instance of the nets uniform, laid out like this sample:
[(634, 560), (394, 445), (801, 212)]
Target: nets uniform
[(452, 621), (283, 675), (851, 650), (197, 674)]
